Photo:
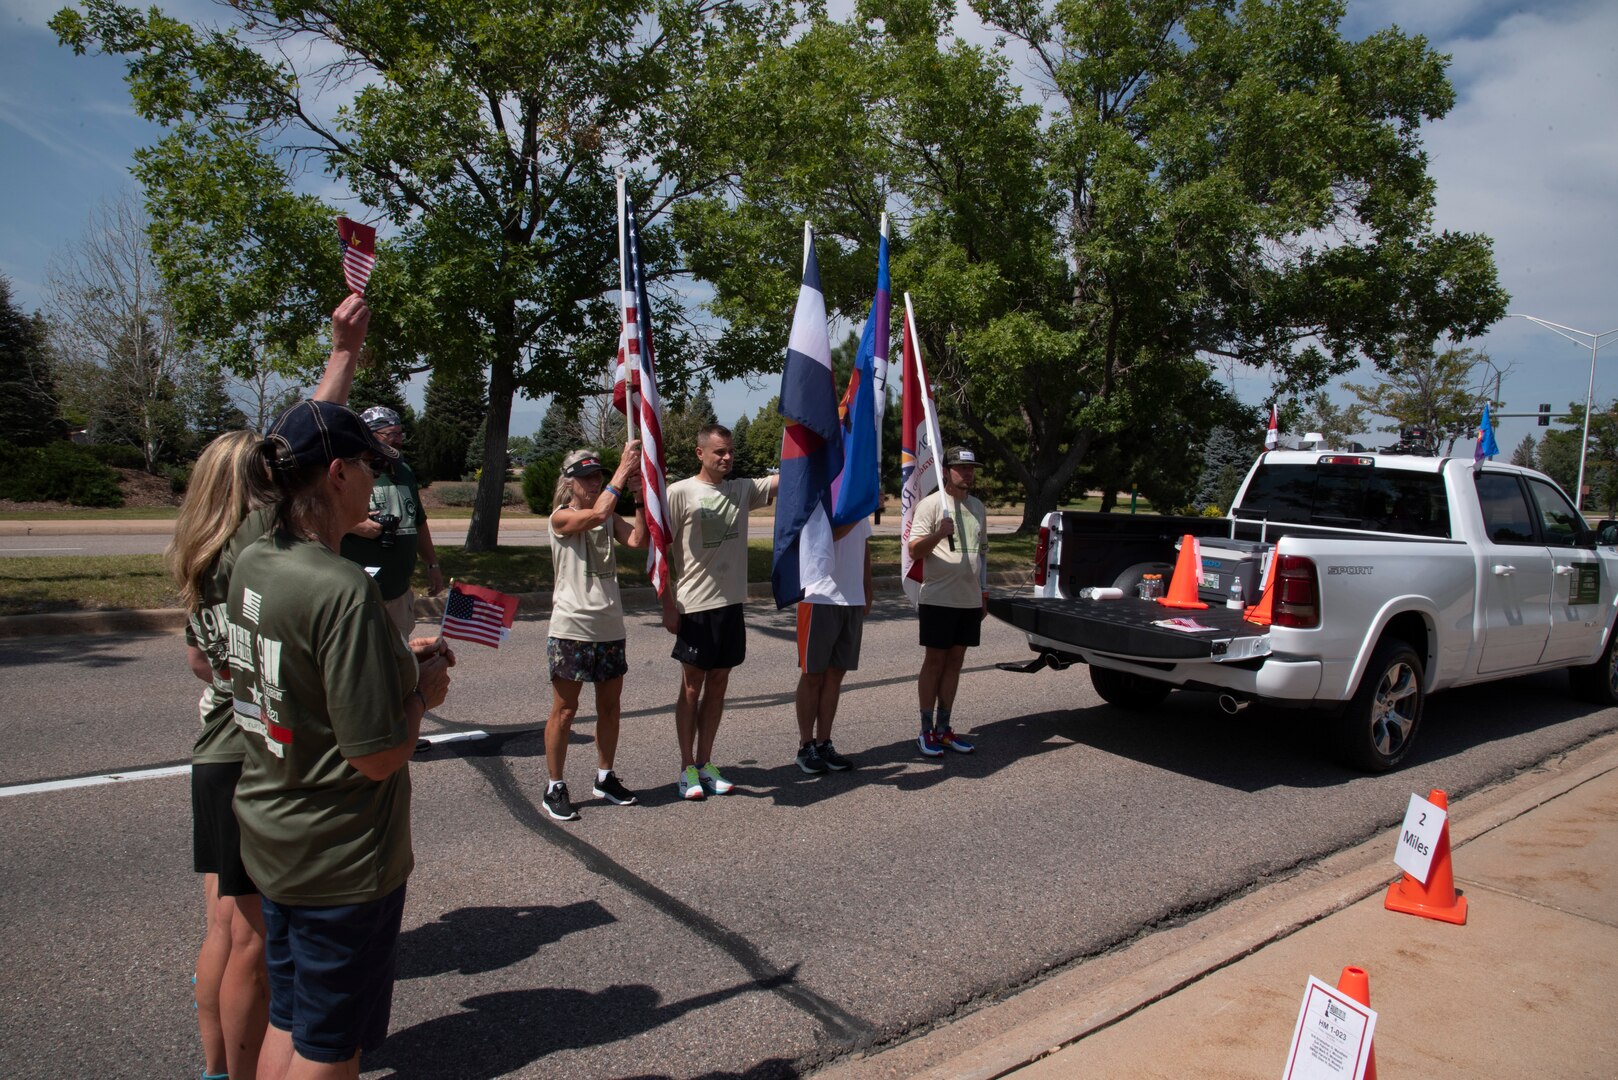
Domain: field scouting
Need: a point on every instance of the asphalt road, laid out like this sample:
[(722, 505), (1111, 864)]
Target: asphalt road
[(755, 935)]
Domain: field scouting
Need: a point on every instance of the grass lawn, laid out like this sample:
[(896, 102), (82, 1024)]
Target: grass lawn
[(84, 513)]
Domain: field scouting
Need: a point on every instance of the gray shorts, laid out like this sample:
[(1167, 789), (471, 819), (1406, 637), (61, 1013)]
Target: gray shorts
[(829, 637)]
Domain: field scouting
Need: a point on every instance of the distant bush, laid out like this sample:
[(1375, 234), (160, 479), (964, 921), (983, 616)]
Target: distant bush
[(178, 476), (466, 494), (57, 472), (118, 455), (539, 482)]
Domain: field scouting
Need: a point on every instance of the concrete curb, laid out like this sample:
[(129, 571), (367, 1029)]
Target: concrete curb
[(164, 620), (1097, 993)]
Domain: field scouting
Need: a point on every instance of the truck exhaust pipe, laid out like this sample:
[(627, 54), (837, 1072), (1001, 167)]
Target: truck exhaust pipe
[(1230, 704)]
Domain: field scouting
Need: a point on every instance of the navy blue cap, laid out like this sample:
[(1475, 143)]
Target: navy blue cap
[(320, 432)]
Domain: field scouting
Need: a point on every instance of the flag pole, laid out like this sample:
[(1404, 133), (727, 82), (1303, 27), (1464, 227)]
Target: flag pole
[(630, 370), (948, 506), (808, 239), (882, 390)]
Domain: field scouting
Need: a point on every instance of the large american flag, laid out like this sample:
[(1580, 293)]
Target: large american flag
[(635, 376), (359, 253), (473, 613)]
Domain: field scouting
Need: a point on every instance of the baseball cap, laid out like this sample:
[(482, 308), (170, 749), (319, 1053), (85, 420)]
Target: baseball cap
[(380, 416), (959, 455), (320, 432), (583, 467)]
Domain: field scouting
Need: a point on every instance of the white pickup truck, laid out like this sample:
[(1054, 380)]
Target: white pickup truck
[(1393, 577)]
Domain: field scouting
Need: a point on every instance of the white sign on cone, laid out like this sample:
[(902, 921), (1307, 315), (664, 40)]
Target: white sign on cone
[(1418, 837), (1332, 1040)]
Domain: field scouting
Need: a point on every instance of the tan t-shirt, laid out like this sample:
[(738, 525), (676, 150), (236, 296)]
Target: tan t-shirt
[(956, 578), (708, 548), (585, 605)]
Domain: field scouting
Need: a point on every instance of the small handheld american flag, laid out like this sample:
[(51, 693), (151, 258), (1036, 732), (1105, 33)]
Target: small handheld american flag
[(359, 253), (473, 613)]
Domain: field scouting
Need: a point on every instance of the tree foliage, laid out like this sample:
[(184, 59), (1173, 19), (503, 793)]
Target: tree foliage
[(30, 412), (1443, 392)]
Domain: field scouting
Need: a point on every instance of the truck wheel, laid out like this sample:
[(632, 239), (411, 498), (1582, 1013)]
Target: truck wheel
[(1127, 690), (1598, 682), (1378, 727)]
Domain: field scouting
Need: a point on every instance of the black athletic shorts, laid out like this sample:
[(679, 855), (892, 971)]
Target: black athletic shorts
[(216, 840), (947, 627), (712, 639)]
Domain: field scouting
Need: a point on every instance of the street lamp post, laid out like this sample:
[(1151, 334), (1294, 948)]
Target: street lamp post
[(1585, 339)]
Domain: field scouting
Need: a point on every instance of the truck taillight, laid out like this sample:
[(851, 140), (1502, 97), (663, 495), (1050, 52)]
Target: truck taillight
[(1297, 593), (1042, 552)]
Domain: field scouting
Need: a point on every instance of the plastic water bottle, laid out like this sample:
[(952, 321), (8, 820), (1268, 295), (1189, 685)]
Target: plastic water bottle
[(1235, 600)]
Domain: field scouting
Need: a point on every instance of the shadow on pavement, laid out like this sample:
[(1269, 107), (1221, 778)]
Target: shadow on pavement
[(500, 1033), (476, 940), (87, 650)]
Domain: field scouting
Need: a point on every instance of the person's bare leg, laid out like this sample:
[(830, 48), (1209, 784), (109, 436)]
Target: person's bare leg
[(608, 697), (685, 713), (304, 1069), (807, 703), (244, 993), (710, 711), (212, 958), (950, 677), (932, 672), (826, 711), (275, 1056), (564, 706)]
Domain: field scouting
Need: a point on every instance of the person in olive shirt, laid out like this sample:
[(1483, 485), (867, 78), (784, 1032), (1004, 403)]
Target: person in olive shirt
[(331, 699), (950, 532), (395, 533)]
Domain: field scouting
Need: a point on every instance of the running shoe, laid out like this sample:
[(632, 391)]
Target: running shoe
[(955, 742), (835, 761), (927, 742), (713, 781), (614, 791), (810, 761), (691, 784), (558, 805)]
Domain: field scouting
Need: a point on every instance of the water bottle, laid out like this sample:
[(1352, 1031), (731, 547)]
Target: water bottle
[(1235, 600)]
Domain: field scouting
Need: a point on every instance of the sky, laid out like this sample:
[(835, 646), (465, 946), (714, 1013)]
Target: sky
[(1528, 156)]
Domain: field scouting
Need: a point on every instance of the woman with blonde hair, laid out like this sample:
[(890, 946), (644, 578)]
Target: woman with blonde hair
[(586, 642), (222, 514)]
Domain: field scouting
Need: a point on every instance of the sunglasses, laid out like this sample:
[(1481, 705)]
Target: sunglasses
[(375, 466)]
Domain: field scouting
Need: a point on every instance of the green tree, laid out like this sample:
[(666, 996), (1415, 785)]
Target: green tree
[(1559, 449), (484, 136), (559, 428), (740, 432), (680, 427), (376, 385), (30, 412), (1317, 412), (209, 408), (1525, 454), (452, 412), (1442, 392)]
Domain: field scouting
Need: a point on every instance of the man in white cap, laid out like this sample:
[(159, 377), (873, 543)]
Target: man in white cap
[(388, 542), (950, 532)]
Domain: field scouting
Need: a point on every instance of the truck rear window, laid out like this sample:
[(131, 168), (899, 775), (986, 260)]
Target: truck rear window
[(1351, 497)]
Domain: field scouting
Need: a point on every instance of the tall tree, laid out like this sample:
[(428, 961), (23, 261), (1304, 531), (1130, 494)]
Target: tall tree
[(1443, 392), (1525, 454), (485, 136), (452, 413), (210, 408), (30, 412)]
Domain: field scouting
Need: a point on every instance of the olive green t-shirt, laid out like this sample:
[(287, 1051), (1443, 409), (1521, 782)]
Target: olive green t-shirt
[(956, 578), (397, 495), (320, 676), (585, 604), (708, 546), (220, 741)]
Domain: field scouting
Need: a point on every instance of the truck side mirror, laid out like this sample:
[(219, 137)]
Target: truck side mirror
[(1606, 532)]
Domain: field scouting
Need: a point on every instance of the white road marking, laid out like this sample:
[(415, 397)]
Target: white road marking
[(179, 770)]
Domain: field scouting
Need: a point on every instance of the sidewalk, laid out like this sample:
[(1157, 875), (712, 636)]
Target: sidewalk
[(1524, 989)]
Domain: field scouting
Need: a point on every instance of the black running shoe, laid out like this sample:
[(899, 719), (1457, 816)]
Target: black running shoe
[(834, 761), (614, 792), (809, 760), (558, 805)]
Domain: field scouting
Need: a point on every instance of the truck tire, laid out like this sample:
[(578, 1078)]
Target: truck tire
[(1597, 682), (1378, 728), (1126, 690)]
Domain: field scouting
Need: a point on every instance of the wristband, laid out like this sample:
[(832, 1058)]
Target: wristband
[(417, 694), (616, 493)]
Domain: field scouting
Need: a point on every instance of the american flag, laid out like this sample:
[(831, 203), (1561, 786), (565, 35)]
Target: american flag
[(359, 253), (473, 613), (635, 374)]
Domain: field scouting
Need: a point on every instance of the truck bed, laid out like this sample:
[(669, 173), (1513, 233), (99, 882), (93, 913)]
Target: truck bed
[(1127, 628)]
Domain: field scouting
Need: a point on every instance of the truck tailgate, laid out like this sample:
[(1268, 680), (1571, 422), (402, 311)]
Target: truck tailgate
[(1127, 628)]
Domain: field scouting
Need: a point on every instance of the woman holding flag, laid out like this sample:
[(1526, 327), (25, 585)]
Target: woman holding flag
[(587, 636)]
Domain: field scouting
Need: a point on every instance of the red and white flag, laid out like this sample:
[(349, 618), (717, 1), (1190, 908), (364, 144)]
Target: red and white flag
[(473, 613), (359, 253), (919, 452), (634, 391), (1272, 437)]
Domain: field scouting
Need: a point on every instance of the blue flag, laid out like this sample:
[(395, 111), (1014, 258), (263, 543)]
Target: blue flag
[(858, 491), (811, 446), (1487, 447)]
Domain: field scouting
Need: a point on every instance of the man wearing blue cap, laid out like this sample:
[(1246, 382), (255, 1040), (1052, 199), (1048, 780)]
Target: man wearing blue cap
[(388, 542)]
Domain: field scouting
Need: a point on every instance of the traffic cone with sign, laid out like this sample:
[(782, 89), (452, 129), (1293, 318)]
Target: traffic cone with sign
[(1437, 899), (1357, 984), (1187, 576)]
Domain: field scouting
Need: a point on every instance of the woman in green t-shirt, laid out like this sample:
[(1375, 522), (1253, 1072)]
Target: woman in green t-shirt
[(586, 642)]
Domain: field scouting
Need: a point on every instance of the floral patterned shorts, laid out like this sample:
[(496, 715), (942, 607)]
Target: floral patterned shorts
[(586, 661)]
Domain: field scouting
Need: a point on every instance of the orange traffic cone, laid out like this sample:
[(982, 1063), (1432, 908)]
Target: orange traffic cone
[(1263, 612), (1437, 899), (1187, 576), (1357, 984)]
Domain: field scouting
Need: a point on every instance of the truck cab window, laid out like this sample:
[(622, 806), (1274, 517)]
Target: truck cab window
[(1506, 516), (1560, 524)]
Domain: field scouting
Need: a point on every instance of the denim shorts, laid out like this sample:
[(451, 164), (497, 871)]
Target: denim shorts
[(331, 974)]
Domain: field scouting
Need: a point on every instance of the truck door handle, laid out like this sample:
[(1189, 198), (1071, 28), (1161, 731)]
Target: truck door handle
[(1502, 570), (1563, 571)]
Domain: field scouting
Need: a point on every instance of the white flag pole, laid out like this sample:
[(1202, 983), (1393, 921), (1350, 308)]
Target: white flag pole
[(624, 302), (932, 418)]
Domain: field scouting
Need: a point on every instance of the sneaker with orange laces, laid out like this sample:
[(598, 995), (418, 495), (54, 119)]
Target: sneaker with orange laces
[(949, 739)]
